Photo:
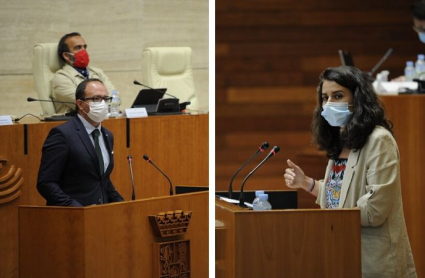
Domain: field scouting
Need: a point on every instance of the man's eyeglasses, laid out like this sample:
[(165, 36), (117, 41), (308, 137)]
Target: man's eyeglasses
[(97, 99)]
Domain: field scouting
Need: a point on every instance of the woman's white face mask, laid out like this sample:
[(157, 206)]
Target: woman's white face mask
[(336, 113), (98, 111)]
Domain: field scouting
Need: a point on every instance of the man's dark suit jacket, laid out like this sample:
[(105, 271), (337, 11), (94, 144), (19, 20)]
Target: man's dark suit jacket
[(69, 172)]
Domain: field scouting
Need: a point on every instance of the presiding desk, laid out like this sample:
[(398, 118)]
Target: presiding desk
[(177, 144)]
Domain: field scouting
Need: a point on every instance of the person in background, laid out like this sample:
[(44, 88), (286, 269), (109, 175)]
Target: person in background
[(72, 49), (77, 157), (350, 124), (417, 12)]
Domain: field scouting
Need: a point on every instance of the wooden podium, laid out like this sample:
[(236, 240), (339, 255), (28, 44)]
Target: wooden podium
[(296, 243), (115, 240)]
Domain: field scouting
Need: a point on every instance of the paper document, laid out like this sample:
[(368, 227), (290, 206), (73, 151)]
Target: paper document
[(393, 88), (233, 201)]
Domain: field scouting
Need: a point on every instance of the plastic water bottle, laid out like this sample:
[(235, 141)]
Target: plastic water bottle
[(420, 67), (384, 75), (115, 104), (409, 71), (263, 203), (257, 198)]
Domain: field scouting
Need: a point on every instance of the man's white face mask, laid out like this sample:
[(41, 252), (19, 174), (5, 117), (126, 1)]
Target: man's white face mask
[(98, 111)]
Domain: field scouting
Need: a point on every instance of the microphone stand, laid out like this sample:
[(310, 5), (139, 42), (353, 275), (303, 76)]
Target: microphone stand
[(383, 59), (30, 99), (262, 148), (62, 117), (273, 152), (146, 157), (133, 194)]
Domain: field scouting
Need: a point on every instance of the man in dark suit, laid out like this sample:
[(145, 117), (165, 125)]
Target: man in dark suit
[(77, 157)]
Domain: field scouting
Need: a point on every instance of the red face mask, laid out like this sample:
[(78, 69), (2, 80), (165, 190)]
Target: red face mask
[(81, 59)]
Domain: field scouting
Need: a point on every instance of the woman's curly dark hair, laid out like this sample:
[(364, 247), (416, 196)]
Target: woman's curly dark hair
[(368, 112)]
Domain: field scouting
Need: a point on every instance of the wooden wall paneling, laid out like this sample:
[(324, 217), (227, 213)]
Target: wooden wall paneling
[(284, 139), (306, 5), (269, 94), (253, 110), (263, 124), (228, 161), (13, 192), (177, 145)]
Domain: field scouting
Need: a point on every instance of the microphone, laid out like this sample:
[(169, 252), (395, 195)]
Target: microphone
[(30, 99), (146, 157), (369, 75), (56, 117), (273, 152), (130, 159), (262, 148), (383, 59), (135, 82)]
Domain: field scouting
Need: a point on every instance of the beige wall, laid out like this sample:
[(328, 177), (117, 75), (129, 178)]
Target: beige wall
[(116, 33)]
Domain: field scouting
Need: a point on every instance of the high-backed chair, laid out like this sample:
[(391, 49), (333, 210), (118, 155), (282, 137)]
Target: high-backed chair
[(171, 68), (44, 65)]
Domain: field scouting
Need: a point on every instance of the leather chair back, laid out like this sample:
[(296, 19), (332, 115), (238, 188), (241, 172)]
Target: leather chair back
[(171, 68), (45, 63)]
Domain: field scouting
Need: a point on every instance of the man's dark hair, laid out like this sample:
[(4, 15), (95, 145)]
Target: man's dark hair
[(417, 10), (62, 46), (80, 93), (368, 112)]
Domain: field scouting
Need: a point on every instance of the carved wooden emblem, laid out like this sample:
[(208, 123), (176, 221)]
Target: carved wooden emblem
[(171, 258), (170, 223), (174, 259), (10, 183)]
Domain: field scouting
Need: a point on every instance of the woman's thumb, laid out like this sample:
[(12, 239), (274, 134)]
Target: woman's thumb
[(291, 164)]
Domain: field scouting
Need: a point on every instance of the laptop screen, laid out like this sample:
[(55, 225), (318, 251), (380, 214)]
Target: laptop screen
[(148, 97)]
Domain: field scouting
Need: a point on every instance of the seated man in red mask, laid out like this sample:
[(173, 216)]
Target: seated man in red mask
[(72, 49)]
